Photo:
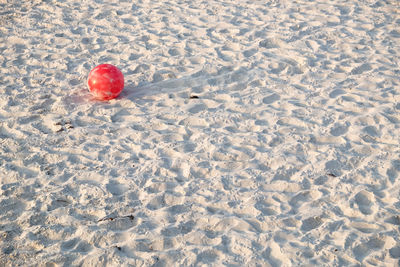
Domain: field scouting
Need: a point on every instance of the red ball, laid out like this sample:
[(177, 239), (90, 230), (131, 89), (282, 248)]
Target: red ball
[(106, 81)]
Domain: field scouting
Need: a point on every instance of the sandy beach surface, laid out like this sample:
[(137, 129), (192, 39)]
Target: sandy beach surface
[(249, 133)]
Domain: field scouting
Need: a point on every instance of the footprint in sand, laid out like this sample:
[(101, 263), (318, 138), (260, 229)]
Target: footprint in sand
[(70, 244), (339, 129), (361, 69), (271, 99), (11, 208), (311, 223), (333, 168), (118, 223), (336, 93), (76, 245), (395, 252), (83, 247), (364, 201), (366, 248), (182, 229), (116, 189)]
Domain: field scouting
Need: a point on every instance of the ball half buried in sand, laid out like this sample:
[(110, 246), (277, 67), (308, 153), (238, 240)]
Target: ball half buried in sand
[(105, 82)]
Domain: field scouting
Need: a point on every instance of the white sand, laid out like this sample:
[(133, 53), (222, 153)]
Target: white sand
[(289, 156)]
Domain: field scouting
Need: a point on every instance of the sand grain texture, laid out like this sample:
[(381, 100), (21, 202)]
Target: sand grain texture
[(249, 133)]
